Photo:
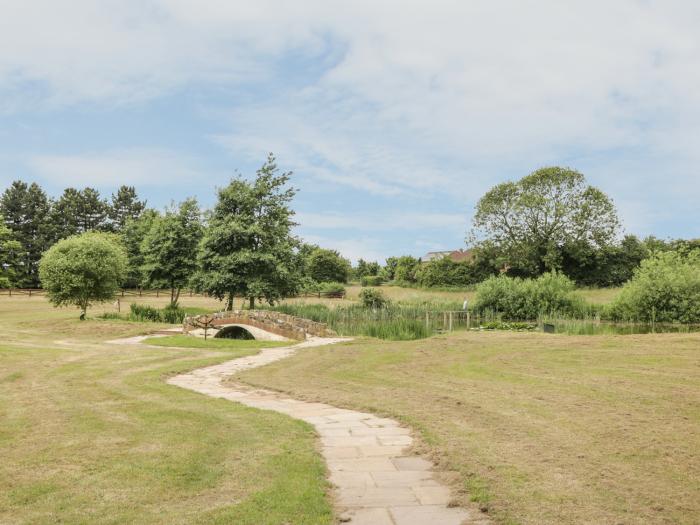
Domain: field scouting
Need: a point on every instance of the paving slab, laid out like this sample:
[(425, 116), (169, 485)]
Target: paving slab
[(375, 482)]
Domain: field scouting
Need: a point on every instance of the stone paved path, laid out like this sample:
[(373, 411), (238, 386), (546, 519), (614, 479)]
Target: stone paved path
[(377, 484)]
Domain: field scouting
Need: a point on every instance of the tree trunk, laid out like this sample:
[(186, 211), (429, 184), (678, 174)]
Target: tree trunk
[(251, 305), (229, 305)]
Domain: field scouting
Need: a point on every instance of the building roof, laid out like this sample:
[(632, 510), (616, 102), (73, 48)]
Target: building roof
[(456, 255)]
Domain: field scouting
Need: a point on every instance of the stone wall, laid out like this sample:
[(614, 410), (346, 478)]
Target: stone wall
[(275, 322)]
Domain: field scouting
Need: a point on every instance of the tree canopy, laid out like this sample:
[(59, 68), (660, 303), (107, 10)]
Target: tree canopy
[(169, 248), (83, 269), (532, 219), (248, 247), (327, 266)]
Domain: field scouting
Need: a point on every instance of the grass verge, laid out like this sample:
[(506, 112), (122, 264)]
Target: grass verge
[(543, 429), (91, 433)]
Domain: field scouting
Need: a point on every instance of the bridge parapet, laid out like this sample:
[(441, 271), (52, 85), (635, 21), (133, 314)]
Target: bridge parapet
[(276, 322)]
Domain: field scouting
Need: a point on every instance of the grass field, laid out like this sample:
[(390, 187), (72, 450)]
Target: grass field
[(91, 433), (542, 428)]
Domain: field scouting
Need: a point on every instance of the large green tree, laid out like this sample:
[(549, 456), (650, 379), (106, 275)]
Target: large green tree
[(531, 220), (125, 207), (170, 248), (328, 266), (25, 209), (133, 233), (83, 269), (248, 246), (79, 211)]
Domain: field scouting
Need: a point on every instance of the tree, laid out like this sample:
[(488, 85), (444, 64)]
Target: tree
[(65, 214), (328, 266), (133, 233), (125, 207), (532, 219), (248, 247), (389, 270), (82, 270), (406, 267), (92, 211), (26, 211), (170, 248), (9, 255), (78, 212)]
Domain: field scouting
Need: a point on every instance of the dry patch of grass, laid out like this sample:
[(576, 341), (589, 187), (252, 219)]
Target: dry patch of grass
[(542, 428), (91, 433)]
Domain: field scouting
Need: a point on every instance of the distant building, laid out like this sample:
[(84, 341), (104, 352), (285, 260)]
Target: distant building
[(456, 255)]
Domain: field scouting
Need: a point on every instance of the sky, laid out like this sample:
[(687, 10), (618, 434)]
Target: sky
[(394, 116)]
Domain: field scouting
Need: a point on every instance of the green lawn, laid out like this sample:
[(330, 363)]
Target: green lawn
[(188, 341), (91, 433), (542, 429)]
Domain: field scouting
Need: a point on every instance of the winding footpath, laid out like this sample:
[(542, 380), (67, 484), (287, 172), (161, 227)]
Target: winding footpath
[(376, 483)]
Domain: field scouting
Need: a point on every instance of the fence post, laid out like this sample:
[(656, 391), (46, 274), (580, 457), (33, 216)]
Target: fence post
[(468, 321), (30, 292), (451, 321), (427, 320), (156, 293)]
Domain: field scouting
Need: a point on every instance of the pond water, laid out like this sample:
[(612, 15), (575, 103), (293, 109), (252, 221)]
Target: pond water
[(605, 328)]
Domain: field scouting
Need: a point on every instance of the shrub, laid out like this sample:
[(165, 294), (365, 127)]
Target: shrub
[(332, 288), (371, 298), (446, 272), (372, 280), (527, 299), (665, 288)]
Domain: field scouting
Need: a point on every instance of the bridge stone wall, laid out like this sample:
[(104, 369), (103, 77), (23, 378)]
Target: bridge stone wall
[(276, 322)]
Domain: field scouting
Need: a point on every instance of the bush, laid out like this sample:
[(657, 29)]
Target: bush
[(332, 288), (527, 299), (372, 280), (665, 289), (445, 272), (371, 298)]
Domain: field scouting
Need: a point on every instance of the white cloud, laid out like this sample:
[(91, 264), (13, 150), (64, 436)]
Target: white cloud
[(138, 167), (384, 220), (418, 98)]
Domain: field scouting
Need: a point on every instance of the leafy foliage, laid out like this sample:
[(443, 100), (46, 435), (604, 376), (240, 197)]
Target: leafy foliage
[(666, 288), (9, 252), (25, 209), (526, 299), (83, 269), (248, 247), (532, 219), (405, 269), (327, 266), (373, 298), (372, 280), (445, 272), (170, 248), (125, 207)]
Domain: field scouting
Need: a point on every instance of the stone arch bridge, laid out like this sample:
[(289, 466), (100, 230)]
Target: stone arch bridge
[(260, 324)]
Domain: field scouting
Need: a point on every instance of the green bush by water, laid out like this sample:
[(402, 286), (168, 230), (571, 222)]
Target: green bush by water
[(664, 289), (516, 299)]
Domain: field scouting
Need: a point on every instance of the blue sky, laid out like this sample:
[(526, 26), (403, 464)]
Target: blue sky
[(394, 116)]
